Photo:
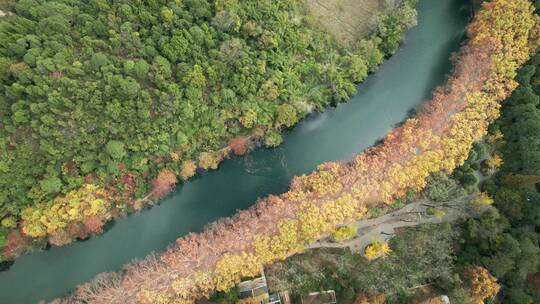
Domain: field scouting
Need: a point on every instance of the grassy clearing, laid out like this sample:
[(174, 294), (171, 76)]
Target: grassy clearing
[(346, 20)]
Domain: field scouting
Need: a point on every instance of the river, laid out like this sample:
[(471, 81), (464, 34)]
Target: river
[(402, 83)]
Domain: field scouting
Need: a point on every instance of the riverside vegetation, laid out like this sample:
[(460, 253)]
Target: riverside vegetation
[(501, 39), (498, 250), (105, 106)]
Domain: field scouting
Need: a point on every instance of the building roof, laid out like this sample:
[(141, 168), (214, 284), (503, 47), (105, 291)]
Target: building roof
[(252, 284), (254, 291)]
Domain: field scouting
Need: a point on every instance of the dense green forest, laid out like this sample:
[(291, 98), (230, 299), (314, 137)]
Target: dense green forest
[(111, 92), (506, 239)]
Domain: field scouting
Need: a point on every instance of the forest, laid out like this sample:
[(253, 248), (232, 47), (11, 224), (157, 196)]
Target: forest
[(506, 239), (502, 38), (106, 105)]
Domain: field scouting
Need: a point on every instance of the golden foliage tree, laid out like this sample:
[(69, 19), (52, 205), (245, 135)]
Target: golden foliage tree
[(208, 160), (188, 169), (483, 200), (481, 283), (377, 249), (345, 233), (55, 217)]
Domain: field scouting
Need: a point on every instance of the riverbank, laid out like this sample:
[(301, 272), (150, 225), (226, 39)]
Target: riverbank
[(119, 176), (438, 139)]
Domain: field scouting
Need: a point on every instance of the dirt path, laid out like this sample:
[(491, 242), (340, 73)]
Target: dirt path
[(382, 228)]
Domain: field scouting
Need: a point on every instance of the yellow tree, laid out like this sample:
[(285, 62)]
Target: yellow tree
[(494, 162), (483, 200), (208, 160), (377, 249), (481, 283), (345, 233), (188, 169)]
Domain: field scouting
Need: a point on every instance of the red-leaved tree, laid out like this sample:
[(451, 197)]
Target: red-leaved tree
[(164, 183)]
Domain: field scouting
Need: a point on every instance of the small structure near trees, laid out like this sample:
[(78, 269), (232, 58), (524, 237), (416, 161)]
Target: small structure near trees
[(255, 291)]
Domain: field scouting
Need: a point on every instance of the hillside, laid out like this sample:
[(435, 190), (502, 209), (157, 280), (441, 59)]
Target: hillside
[(104, 107)]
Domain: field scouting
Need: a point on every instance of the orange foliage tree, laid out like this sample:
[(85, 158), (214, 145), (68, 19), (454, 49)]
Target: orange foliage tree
[(239, 145), (164, 183)]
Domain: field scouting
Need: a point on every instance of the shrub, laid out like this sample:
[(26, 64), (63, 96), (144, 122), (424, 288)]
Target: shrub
[(483, 200), (377, 249), (344, 233), (441, 188), (469, 180)]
